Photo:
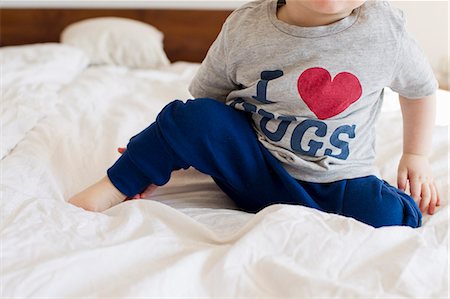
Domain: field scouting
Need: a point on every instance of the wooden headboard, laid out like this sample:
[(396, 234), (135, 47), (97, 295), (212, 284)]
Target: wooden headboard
[(187, 33)]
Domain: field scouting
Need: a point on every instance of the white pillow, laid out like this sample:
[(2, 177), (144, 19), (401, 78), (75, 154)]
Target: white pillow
[(117, 41)]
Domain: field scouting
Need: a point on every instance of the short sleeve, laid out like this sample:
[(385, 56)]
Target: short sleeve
[(413, 76), (212, 79)]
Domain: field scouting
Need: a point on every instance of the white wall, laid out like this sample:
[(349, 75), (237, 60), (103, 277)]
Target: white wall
[(428, 21)]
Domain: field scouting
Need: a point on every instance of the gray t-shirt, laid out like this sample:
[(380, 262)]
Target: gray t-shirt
[(314, 92)]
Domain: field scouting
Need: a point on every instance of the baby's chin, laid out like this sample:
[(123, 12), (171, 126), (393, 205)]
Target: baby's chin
[(332, 7)]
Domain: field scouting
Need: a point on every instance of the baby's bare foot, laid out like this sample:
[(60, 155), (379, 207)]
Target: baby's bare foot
[(98, 197)]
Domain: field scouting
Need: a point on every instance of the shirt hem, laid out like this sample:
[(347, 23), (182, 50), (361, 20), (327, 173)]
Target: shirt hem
[(331, 176)]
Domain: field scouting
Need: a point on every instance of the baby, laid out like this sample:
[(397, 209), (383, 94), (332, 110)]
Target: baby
[(285, 110)]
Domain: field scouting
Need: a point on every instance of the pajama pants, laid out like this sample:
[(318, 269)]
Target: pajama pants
[(220, 141)]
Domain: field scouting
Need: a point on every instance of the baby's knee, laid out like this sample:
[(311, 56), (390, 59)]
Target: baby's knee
[(196, 117)]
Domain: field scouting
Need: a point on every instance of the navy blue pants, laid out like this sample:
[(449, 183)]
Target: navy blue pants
[(219, 141)]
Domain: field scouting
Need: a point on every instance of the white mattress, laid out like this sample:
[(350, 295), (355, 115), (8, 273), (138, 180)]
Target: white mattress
[(187, 240)]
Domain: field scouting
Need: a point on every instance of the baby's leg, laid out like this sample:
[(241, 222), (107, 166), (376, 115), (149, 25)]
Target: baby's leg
[(215, 139), (367, 199), (98, 197), (211, 137)]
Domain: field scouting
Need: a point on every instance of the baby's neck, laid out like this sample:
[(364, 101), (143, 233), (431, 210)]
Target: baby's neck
[(308, 18)]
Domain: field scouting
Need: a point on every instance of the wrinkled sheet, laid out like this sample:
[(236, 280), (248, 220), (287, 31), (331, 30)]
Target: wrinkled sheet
[(189, 240), (31, 77)]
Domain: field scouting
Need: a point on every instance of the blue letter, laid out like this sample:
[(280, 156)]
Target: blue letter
[(342, 145), (249, 107), (237, 101), (261, 87), (299, 132), (282, 127)]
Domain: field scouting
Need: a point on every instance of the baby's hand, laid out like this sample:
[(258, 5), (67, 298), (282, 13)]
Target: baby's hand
[(417, 170)]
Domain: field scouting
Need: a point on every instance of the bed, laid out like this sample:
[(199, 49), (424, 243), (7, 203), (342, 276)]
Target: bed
[(63, 117)]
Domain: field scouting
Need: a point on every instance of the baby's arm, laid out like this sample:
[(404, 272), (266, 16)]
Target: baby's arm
[(414, 167)]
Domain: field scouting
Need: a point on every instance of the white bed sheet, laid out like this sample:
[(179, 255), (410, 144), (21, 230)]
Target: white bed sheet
[(188, 240), (31, 78)]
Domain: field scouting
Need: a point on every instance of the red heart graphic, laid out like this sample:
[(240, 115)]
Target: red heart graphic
[(325, 97)]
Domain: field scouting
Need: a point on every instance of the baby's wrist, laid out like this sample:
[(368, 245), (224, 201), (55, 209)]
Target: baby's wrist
[(415, 154)]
